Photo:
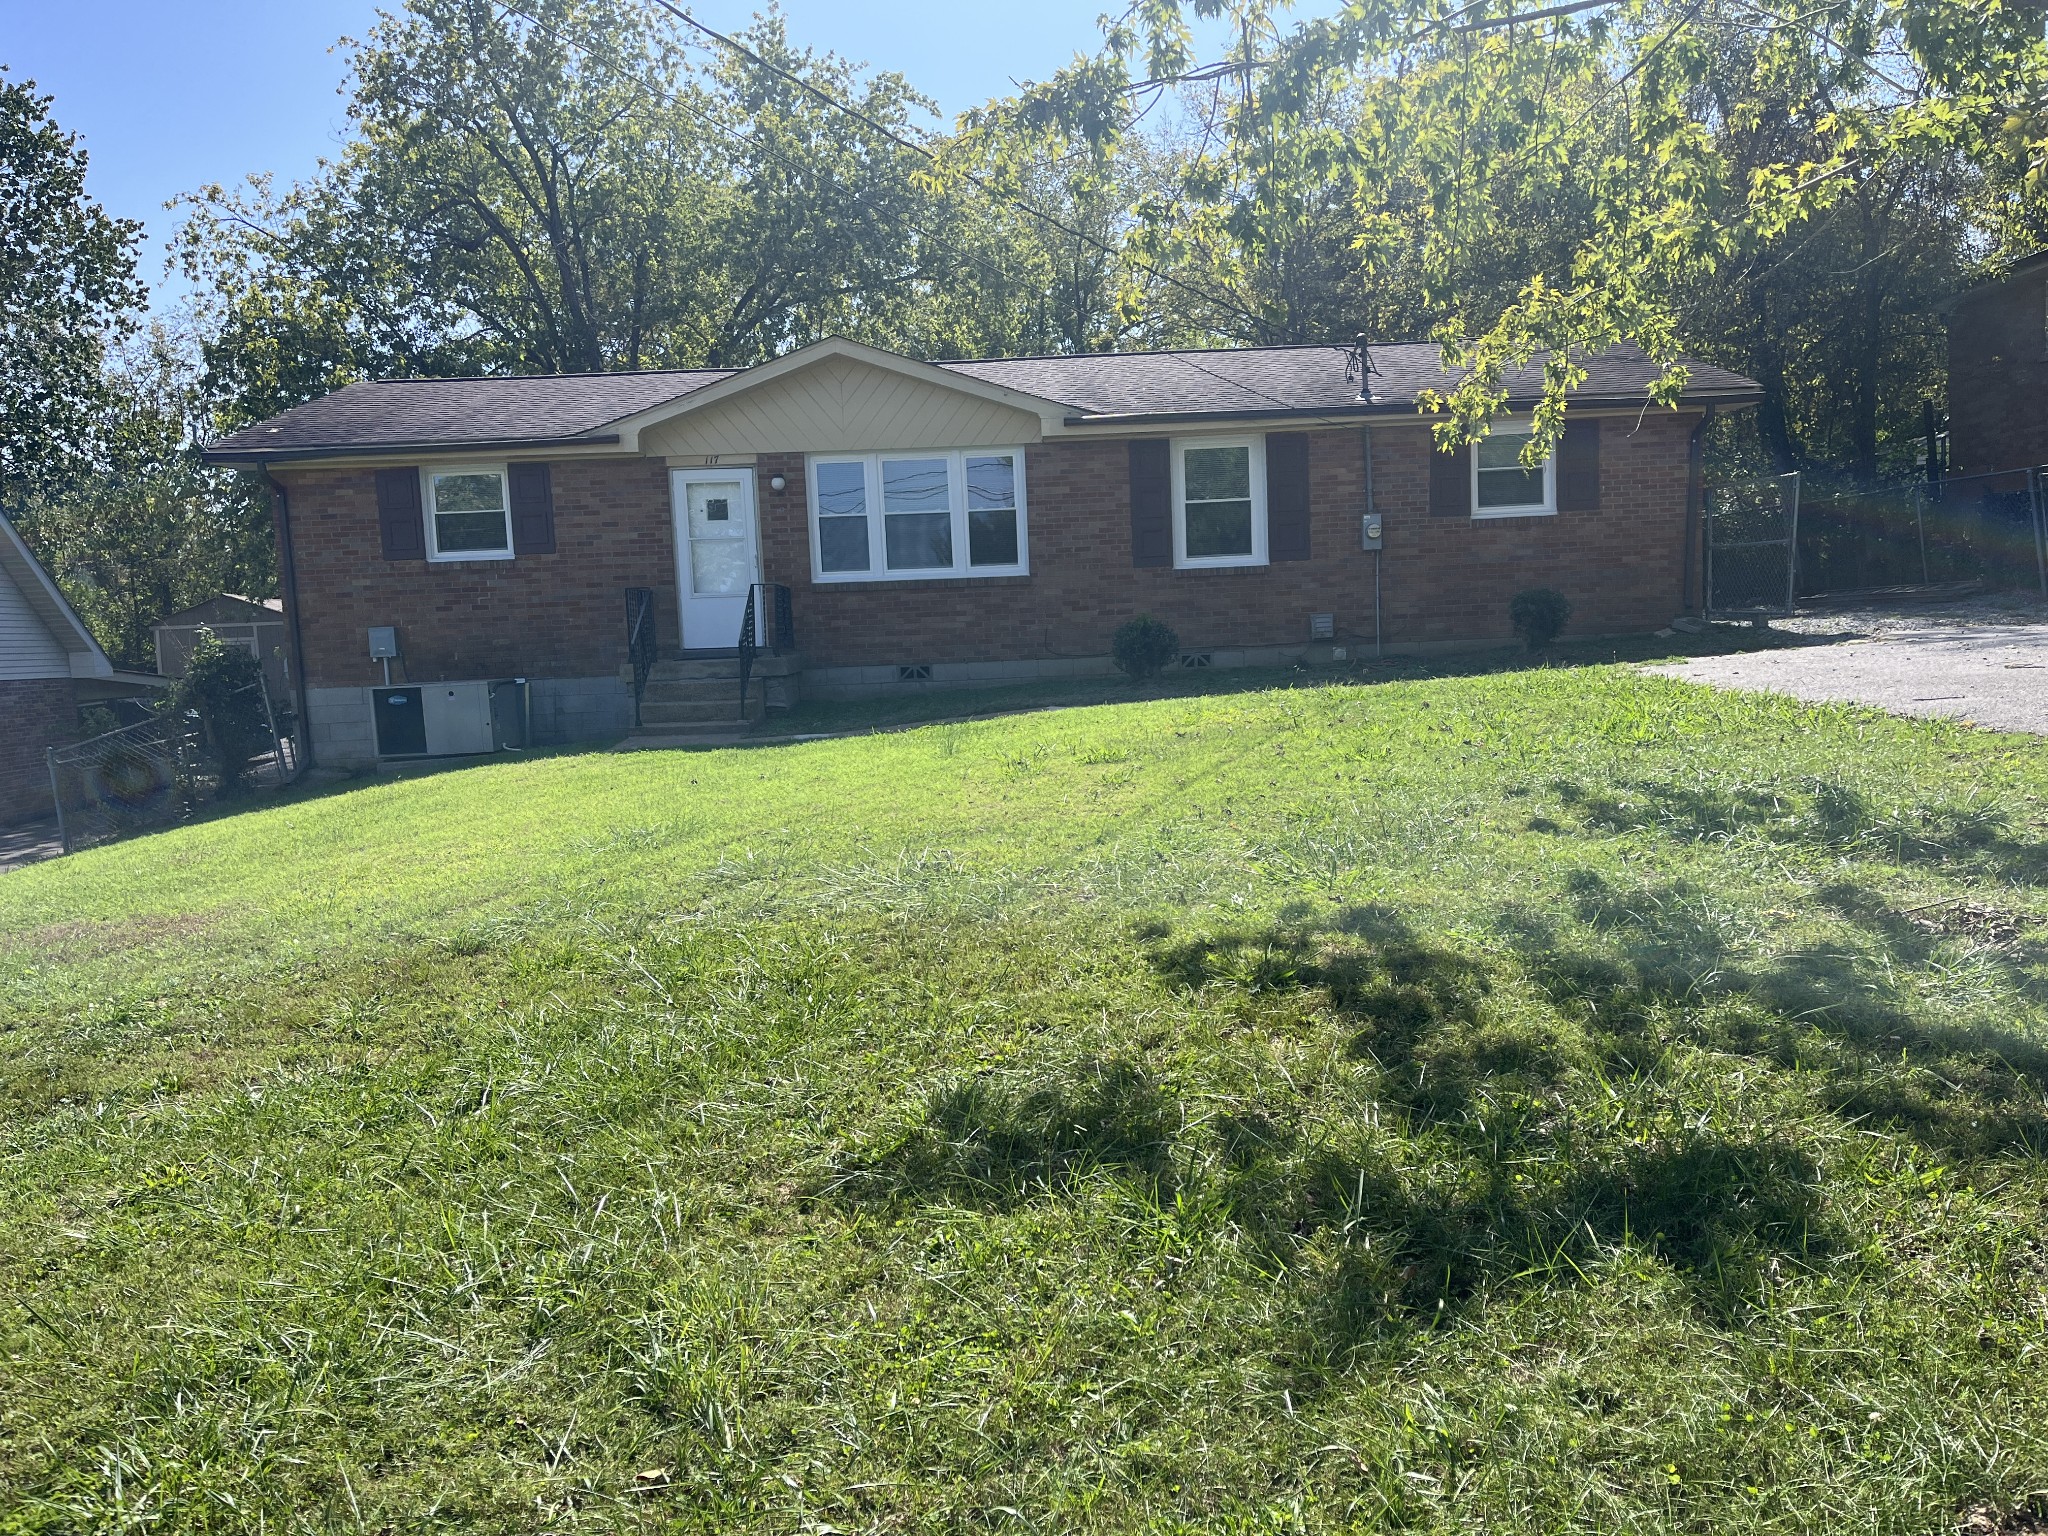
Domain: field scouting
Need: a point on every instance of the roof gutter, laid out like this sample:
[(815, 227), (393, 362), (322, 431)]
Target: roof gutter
[(262, 458), (1729, 399)]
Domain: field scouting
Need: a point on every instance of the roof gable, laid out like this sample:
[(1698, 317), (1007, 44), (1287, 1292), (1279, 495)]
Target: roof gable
[(226, 608), (840, 396), (41, 597)]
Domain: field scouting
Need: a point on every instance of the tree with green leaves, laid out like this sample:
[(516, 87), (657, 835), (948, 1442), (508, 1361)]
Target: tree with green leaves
[(67, 289), (556, 187), (143, 527), (1534, 188)]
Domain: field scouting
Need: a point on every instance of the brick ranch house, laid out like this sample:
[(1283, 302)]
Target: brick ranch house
[(934, 523)]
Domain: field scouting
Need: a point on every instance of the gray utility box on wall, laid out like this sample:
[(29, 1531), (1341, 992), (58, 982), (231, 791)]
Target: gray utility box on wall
[(450, 719)]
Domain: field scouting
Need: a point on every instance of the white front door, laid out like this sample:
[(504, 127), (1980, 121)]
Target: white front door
[(716, 553)]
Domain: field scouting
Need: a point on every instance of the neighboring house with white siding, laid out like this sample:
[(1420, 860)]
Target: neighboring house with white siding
[(49, 665)]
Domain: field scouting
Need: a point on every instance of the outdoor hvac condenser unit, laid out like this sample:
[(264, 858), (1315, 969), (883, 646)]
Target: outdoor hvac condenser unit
[(450, 719)]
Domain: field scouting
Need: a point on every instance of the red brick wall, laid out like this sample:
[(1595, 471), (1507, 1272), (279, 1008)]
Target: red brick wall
[(1998, 377), (559, 615), (36, 714), (1444, 579), (1623, 567)]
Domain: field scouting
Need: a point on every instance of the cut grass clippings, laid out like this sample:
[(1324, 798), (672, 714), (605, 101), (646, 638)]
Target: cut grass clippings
[(1551, 1100)]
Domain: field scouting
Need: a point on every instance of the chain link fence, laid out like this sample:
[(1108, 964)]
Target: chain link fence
[(1987, 528), (1752, 535), (153, 774)]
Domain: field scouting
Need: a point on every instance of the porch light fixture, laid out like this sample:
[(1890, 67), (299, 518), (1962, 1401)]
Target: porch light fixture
[(778, 483)]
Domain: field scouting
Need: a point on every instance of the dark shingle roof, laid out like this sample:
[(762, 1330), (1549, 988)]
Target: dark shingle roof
[(1266, 380), (462, 413), (552, 410)]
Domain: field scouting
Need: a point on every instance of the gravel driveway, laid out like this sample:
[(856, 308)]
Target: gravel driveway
[(1980, 660)]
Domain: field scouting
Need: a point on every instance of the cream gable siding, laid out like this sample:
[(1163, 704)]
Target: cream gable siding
[(27, 649), (841, 405)]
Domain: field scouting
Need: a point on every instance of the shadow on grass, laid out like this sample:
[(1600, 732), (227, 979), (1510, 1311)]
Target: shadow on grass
[(1001, 1139), (1405, 1249), (1821, 815), (1498, 1176), (1651, 958), (1518, 1138), (1412, 1008), (1497, 1181)]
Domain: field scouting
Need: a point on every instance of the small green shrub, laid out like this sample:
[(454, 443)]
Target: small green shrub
[(221, 686), (1539, 616), (96, 720), (1144, 647)]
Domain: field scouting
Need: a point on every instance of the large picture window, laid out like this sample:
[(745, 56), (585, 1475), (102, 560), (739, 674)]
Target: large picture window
[(468, 517), (917, 515), (1219, 502), (1502, 485)]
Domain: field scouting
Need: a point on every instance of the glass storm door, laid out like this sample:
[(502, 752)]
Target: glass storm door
[(715, 553)]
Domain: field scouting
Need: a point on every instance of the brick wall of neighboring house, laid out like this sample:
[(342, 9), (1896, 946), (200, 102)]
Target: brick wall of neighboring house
[(562, 615), (35, 714), (1998, 376)]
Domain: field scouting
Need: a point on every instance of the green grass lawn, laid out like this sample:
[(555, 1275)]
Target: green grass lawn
[(1541, 1101)]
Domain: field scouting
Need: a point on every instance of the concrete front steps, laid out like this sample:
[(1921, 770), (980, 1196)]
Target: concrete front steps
[(700, 698), (697, 698)]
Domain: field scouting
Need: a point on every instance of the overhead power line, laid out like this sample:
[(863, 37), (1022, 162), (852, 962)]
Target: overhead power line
[(1001, 276), (670, 99), (826, 98), (1490, 23)]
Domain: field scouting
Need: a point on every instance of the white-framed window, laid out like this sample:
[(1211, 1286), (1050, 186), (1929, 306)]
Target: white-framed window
[(1219, 501), (1502, 485), (923, 514), (469, 513)]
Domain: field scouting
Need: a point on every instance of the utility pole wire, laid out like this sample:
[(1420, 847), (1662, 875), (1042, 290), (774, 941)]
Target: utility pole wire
[(1448, 23), (1245, 69), (1488, 23), (1002, 277), (980, 183), (1181, 357)]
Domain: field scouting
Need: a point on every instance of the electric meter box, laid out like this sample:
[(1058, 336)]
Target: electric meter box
[(1369, 531)]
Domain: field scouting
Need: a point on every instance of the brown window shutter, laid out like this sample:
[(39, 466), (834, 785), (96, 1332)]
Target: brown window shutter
[(399, 524), (1450, 481), (1151, 501), (533, 509), (1578, 467), (1287, 495)]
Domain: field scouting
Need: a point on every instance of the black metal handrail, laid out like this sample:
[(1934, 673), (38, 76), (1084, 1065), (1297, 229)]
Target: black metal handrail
[(781, 631), (640, 641)]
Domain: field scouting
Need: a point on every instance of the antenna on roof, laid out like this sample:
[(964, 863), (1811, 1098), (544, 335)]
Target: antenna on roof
[(1358, 365)]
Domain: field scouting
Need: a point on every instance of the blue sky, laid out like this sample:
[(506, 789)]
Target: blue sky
[(169, 97)]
